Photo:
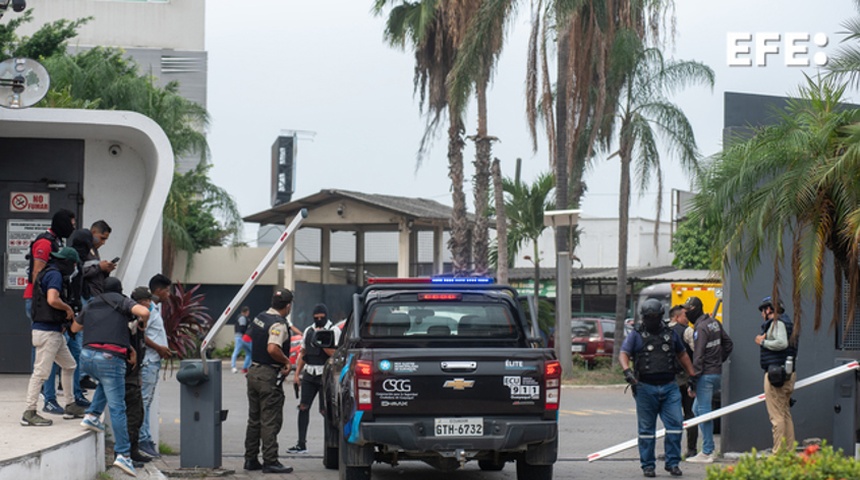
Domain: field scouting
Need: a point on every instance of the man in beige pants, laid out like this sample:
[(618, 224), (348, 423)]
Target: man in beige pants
[(778, 354), (51, 315)]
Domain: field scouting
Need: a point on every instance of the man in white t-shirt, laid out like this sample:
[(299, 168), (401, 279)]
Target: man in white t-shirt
[(156, 349)]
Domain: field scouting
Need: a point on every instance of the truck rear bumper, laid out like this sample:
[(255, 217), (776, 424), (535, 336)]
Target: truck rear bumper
[(509, 434)]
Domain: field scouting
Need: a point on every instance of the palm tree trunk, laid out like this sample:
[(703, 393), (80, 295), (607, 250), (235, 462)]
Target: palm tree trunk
[(501, 225), (536, 260), (168, 256), (561, 131), (480, 238), (459, 225), (623, 221)]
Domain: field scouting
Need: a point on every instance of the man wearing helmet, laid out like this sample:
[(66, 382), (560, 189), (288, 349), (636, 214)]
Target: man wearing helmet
[(656, 351), (712, 346), (778, 354)]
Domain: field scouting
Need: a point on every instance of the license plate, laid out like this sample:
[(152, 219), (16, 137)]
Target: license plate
[(459, 427), (577, 348)]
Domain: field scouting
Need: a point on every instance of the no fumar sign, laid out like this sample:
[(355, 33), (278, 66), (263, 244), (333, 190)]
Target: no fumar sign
[(32, 202)]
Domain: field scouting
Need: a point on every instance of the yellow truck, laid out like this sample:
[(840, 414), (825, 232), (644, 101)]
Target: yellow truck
[(676, 293)]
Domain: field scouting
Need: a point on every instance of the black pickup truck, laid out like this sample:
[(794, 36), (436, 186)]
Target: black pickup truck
[(444, 373)]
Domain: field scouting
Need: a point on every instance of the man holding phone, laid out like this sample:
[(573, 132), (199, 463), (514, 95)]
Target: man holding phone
[(97, 270)]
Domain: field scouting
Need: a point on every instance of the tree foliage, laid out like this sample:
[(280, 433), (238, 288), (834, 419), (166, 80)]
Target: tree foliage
[(693, 246)]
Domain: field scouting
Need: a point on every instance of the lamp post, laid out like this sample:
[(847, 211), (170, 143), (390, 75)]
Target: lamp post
[(563, 339)]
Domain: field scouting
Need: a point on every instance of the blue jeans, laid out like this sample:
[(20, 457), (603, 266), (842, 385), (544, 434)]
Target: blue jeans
[(109, 370), (241, 345), (50, 388), (148, 378), (705, 388), (664, 400)]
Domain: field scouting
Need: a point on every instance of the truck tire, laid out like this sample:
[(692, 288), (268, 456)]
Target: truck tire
[(527, 471), (330, 453), (346, 472), (491, 465)]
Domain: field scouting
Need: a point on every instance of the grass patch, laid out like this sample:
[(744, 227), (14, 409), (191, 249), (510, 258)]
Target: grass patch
[(165, 449), (104, 476), (600, 372)]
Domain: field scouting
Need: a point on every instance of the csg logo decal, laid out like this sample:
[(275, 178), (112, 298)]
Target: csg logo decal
[(400, 385)]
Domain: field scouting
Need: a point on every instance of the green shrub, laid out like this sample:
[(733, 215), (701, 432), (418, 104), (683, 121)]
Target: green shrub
[(812, 464), (226, 351)]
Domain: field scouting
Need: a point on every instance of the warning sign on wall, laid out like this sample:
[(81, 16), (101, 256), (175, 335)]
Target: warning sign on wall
[(31, 202), (19, 234)]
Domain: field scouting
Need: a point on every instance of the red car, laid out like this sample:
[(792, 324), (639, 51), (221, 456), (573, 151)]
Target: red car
[(592, 337)]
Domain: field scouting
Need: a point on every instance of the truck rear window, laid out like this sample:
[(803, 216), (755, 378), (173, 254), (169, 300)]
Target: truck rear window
[(439, 321)]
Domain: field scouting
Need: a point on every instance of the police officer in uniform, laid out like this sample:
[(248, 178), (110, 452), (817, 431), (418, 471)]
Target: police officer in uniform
[(656, 350), (777, 359), (269, 333)]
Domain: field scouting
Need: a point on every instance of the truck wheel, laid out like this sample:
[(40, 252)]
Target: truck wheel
[(346, 472), (490, 465), (330, 449), (527, 471)]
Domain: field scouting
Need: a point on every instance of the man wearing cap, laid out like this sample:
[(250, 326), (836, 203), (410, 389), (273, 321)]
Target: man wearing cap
[(270, 365), (777, 358), (712, 346), (309, 369), (51, 315), (107, 355)]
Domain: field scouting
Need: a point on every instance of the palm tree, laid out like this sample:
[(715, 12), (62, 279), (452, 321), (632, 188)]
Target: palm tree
[(845, 64), (644, 112), (525, 206), (434, 30), (793, 189), (501, 224)]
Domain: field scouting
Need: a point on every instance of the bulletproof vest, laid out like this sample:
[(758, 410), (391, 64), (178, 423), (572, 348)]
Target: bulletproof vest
[(105, 321), (770, 357), (56, 245), (258, 330), (240, 329), (313, 355), (42, 311), (657, 355)]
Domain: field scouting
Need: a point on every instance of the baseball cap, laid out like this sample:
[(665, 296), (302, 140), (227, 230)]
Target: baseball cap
[(141, 293), (693, 303), (67, 253)]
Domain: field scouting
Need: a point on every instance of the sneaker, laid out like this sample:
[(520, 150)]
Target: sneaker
[(245, 370), (691, 453), (125, 464), (73, 410), (52, 407), (33, 419), (649, 472), (82, 401), (298, 448), (702, 457), (140, 457), (93, 423), (674, 471), (149, 449)]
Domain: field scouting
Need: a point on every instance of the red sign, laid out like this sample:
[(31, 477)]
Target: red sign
[(33, 202)]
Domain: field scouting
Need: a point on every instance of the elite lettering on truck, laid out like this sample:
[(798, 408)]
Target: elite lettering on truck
[(444, 371)]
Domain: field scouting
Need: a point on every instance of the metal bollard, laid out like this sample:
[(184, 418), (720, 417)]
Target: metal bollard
[(200, 414)]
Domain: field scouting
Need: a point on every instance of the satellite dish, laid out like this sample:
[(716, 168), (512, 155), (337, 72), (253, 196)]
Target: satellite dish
[(23, 82)]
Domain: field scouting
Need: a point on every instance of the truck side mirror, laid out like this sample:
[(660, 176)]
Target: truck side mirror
[(323, 339)]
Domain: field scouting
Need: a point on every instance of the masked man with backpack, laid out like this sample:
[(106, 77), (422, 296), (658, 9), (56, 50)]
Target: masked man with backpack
[(777, 359), (656, 351)]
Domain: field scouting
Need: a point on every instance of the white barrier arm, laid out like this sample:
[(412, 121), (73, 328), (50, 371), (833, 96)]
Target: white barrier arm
[(833, 372), (249, 284)]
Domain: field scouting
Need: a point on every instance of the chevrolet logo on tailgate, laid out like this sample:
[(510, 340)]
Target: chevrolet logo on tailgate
[(459, 384)]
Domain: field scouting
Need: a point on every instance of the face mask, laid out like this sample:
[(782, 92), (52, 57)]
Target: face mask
[(320, 323), (693, 315), (652, 323), (68, 268)]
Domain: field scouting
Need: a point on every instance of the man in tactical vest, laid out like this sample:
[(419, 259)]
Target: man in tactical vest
[(270, 365), (679, 323), (50, 241), (309, 369), (51, 315), (778, 359), (656, 350), (107, 350)]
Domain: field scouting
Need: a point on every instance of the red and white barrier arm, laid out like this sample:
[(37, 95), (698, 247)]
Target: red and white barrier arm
[(249, 283), (833, 372)]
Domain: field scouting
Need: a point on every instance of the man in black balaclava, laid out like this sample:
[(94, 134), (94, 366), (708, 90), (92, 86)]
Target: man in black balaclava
[(693, 309), (655, 348), (50, 241), (309, 369)]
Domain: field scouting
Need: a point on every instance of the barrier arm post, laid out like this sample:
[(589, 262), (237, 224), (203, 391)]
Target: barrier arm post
[(833, 372), (249, 284)]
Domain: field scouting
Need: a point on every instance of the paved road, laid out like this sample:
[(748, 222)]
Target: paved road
[(591, 419)]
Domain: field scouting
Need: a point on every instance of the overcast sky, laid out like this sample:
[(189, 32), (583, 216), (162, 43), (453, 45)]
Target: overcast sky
[(323, 67)]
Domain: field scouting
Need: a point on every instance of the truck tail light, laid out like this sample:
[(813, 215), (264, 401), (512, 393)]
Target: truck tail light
[(364, 384), (552, 384)]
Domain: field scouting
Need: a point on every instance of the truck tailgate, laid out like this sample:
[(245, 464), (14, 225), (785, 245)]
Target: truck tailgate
[(458, 381)]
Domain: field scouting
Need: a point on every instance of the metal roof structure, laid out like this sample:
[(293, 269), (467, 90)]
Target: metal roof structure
[(649, 274)]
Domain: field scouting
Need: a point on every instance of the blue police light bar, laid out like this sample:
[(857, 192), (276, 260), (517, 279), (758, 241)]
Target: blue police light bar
[(463, 280)]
